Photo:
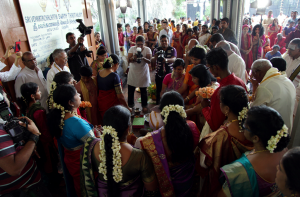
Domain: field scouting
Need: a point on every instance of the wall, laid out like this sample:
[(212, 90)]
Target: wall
[(12, 29)]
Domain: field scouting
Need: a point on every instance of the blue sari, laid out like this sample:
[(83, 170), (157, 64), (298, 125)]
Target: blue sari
[(240, 179)]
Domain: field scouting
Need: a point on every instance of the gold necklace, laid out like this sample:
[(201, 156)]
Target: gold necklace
[(232, 121), (254, 152)]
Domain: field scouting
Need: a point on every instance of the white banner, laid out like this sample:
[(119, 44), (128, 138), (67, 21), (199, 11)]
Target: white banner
[(47, 22)]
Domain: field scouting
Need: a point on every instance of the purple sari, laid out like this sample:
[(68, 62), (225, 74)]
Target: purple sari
[(174, 181)]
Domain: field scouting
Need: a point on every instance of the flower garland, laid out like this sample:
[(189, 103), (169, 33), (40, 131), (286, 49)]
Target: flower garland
[(58, 106), (117, 162), (275, 139), (50, 98), (110, 60), (167, 109), (241, 117)]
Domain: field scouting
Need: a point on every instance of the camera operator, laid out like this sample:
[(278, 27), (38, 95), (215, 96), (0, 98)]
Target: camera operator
[(77, 53), (18, 171), (15, 68), (165, 56)]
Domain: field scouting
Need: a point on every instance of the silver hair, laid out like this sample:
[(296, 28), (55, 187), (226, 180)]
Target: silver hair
[(279, 34), (57, 53), (261, 64)]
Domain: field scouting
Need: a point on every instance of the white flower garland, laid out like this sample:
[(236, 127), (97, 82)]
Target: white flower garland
[(117, 162), (275, 139), (241, 117), (167, 109), (110, 60), (57, 106), (50, 98)]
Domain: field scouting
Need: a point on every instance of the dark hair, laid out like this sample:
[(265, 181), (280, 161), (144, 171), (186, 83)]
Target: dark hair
[(96, 33), (296, 41), (217, 56), (178, 62), (140, 39), (189, 30), (204, 76), (276, 46), (51, 59), (119, 25), (158, 21), (86, 71), (27, 89), (207, 31), (235, 97), (138, 18), (146, 23), (166, 22), (139, 28), (178, 134), (68, 34), (198, 53), (261, 30), (215, 27), (216, 38), (127, 25), (217, 23), (118, 117), (225, 19), (214, 19), (186, 27), (115, 61), (60, 78), (279, 63), (61, 95), (290, 163), (163, 36), (195, 28), (101, 51), (264, 122)]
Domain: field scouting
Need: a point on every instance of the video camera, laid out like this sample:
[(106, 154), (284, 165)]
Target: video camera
[(84, 30), (161, 55), (19, 134), (139, 55)]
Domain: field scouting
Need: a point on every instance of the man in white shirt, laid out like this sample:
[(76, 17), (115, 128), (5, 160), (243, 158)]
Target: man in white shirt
[(166, 31), (216, 38), (275, 90), (281, 18), (236, 64), (267, 21), (60, 61), (31, 73)]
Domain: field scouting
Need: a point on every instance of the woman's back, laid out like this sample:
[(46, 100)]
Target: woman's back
[(107, 81)]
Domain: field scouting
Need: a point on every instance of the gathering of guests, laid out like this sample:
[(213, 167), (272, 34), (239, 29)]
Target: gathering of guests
[(233, 139)]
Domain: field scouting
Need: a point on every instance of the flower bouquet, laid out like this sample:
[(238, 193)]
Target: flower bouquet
[(152, 91), (206, 92), (85, 104)]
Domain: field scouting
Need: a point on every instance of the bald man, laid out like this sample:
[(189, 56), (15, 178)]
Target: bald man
[(31, 73), (275, 90), (191, 44), (236, 64)]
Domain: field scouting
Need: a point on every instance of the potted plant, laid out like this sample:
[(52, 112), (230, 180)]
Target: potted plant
[(152, 91)]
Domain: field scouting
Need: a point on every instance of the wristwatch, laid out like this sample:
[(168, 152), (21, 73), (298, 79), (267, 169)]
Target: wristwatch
[(34, 138)]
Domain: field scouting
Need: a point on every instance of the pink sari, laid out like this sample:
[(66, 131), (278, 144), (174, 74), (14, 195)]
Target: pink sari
[(248, 58)]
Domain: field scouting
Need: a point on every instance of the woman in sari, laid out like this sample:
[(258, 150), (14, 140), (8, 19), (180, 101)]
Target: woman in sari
[(288, 173), (137, 177), (98, 40), (152, 38), (182, 38), (202, 78), (273, 30), (175, 38), (226, 144), (31, 107), (187, 38), (266, 47), (253, 174), (280, 41), (258, 41), (204, 35), (97, 64), (173, 164), (197, 56), (174, 29), (109, 86), (133, 37), (174, 80), (71, 132), (246, 48)]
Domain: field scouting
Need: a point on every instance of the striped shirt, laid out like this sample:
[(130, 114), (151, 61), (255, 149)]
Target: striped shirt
[(29, 175)]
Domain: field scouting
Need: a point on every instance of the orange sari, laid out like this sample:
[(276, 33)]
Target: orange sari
[(176, 44), (190, 83)]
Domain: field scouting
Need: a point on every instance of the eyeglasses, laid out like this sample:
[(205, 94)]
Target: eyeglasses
[(34, 59)]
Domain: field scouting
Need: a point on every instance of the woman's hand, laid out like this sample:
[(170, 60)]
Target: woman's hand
[(8, 51), (205, 103), (31, 126)]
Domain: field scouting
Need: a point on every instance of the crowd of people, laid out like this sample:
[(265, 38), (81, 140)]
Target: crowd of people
[(222, 125)]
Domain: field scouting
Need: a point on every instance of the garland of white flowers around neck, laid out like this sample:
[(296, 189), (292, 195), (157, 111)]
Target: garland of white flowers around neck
[(272, 143), (177, 108), (117, 162)]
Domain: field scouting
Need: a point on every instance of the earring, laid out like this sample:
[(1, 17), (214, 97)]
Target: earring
[(226, 114)]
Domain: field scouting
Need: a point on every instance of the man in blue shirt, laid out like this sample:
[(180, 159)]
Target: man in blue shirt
[(274, 53)]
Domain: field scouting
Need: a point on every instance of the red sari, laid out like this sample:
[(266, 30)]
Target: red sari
[(273, 35), (281, 44), (248, 58), (182, 49), (177, 46), (132, 39)]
